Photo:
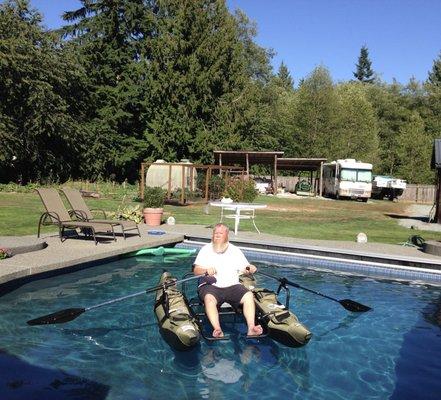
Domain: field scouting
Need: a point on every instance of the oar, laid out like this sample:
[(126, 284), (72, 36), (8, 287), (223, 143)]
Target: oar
[(69, 314), (350, 305)]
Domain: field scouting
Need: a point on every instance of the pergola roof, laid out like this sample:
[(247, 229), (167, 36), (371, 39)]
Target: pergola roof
[(300, 164), (239, 157)]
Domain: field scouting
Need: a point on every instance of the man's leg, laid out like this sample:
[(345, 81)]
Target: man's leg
[(212, 314), (249, 312)]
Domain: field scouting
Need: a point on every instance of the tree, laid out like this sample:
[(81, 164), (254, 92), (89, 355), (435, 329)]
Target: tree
[(435, 74), (200, 86), (40, 90), (364, 72), (283, 77), (316, 115), (107, 35), (356, 135), (414, 151)]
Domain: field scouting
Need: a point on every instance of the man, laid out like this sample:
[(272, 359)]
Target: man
[(225, 262)]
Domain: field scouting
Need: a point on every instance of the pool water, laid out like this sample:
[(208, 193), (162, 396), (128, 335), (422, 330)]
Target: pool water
[(115, 352)]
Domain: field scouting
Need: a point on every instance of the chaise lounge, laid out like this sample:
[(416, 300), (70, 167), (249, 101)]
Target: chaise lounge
[(56, 214), (82, 211)]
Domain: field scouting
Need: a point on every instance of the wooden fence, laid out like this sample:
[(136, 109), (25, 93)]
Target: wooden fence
[(419, 193)]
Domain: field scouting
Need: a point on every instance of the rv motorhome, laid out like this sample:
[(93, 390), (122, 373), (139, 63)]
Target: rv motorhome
[(347, 179)]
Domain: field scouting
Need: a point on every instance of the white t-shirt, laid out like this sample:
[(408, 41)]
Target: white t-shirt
[(229, 264)]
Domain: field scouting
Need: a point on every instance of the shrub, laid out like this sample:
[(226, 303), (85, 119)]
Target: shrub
[(154, 197), (4, 253), (128, 213), (241, 190), (216, 186)]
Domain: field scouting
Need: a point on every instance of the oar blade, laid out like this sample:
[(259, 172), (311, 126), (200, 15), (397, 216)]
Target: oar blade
[(353, 306), (59, 317)]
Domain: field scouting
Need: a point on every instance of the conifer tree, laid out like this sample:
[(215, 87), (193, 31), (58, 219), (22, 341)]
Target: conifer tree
[(316, 114), (107, 36), (364, 72), (435, 74), (284, 77), (40, 91)]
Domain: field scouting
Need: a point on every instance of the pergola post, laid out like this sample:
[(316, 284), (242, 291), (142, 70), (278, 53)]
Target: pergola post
[(247, 165), (220, 165), (142, 182), (275, 174), (438, 197), (207, 182), (183, 185), (321, 179), (169, 182)]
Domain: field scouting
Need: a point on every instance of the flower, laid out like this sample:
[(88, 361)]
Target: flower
[(4, 253)]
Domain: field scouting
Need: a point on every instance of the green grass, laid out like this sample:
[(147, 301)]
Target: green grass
[(306, 218)]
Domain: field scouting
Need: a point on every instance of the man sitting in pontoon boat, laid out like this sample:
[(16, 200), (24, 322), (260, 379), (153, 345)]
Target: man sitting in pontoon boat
[(224, 262)]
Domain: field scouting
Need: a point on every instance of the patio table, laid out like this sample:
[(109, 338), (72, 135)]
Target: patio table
[(238, 208)]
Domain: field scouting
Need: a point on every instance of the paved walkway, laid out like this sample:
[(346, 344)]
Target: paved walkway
[(72, 252)]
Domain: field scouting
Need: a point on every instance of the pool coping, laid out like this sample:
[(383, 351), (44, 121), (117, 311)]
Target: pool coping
[(57, 258)]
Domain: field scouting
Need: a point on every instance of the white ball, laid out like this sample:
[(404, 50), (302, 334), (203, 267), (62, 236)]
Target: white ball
[(362, 238), (171, 221)]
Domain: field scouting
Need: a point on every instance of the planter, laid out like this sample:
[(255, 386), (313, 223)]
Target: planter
[(152, 216)]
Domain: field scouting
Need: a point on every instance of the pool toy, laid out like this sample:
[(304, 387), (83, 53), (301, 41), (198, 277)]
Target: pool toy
[(161, 251)]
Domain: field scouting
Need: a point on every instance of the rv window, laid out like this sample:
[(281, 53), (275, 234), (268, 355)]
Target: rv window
[(364, 176), (348, 175)]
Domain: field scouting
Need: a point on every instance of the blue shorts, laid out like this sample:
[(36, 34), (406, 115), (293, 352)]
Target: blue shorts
[(230, 294)]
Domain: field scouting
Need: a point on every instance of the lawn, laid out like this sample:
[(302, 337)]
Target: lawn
[(307, 218)]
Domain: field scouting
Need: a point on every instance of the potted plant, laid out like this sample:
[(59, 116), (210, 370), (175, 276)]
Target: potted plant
[(154, 198)]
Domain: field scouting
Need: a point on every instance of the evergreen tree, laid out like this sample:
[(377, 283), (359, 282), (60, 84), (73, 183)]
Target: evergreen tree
[(316, 115), (364, 72), (390, 116), (356, 135), (284, 77), (414, 151), (107, 35), (199, 89), (40, 90), (435, 74)]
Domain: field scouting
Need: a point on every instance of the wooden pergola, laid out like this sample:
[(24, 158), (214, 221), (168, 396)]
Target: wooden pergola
[(185, 167), (275, 159)]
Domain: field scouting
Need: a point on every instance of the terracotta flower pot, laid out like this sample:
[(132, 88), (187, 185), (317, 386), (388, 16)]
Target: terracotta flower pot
[(153, 216)]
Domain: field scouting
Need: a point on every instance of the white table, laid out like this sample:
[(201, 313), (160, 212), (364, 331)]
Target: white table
[(237, 208)]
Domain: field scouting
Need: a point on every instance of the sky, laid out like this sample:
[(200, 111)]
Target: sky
[(403, 36)]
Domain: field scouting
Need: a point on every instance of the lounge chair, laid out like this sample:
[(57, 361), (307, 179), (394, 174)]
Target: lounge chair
[(82, 212), (56, 214)]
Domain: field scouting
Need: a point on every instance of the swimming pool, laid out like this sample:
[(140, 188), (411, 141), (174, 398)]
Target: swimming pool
[(116, 352)]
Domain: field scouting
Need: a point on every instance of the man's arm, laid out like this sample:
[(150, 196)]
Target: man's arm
[(199, 270)]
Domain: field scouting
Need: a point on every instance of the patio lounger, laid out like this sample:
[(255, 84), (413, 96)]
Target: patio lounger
[(82, 211), (56, 214)]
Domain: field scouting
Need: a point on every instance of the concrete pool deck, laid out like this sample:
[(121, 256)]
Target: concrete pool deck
[(51, 255)]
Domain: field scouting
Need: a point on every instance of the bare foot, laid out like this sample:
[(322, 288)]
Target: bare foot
[(218, 333), (255, 331)]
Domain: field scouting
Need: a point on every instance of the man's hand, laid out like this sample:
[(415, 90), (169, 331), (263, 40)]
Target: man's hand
[(251, 269), (211, 271)]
